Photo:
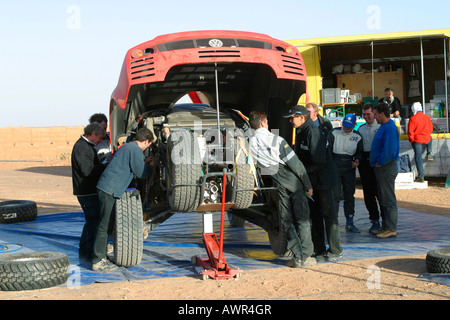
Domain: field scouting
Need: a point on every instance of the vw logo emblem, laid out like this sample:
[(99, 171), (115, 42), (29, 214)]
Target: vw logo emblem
[(215, 43)]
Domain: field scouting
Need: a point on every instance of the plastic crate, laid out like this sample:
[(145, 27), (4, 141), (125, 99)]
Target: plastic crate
[(331, 95)]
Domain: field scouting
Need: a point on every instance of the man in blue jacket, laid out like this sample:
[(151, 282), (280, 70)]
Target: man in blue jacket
[(129, 161), (383, 158)]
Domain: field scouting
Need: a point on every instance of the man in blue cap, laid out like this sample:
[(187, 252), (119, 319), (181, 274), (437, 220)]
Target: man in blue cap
[(347, 147)]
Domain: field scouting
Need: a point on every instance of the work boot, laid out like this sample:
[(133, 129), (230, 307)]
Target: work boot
[(375, 225), (349, 226), (377, 231), (387, 234)]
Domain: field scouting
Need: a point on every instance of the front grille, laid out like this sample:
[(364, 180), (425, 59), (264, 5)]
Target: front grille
[(206, 43), (219, 53), (142, 68)]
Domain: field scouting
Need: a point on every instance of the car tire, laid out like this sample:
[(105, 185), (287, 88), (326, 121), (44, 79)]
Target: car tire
[(278, 238), (17, 211), (33, 270), (128, 230), (235, 221), (438, 261), (244, 176), (183, 192)]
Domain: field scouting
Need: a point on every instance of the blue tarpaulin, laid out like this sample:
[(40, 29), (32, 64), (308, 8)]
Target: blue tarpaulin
[(169, 248)]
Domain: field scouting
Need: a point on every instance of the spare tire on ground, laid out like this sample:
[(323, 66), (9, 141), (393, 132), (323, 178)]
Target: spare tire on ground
[(33, 270), (17, 211), (438, 261)]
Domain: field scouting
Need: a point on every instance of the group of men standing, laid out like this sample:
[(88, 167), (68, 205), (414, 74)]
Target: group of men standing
[(100, 179), (312, 177)]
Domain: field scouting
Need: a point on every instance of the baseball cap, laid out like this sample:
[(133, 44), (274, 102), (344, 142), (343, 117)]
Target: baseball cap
[(349, 120), (296, 110)]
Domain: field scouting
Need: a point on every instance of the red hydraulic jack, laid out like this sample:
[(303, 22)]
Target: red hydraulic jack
[(216, 267)]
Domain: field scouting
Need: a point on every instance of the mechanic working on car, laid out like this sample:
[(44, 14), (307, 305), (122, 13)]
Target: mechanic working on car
[(128, 161), (86, 171), (275, 157)]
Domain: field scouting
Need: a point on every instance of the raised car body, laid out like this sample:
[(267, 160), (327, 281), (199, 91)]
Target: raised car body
[(228, 74)]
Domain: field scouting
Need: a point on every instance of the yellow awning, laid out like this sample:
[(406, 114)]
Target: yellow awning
[(370, 37)]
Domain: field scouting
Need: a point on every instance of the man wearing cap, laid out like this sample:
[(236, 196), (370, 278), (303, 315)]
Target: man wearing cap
[(311, 148), (384, 156), (276, 158), (346, 146), (420, 128)]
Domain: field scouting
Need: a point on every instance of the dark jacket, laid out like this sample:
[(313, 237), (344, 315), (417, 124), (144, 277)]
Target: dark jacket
[(395, 105), (86, 168), (325, 125), (274, 154), (311, 148), (126, 163)]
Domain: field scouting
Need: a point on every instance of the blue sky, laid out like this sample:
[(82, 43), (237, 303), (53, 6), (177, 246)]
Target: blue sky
[(60, 60)]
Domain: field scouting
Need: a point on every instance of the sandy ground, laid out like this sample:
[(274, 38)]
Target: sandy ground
[(49, 184)]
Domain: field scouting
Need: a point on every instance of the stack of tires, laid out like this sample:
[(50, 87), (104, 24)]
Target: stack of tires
[(29, 270)]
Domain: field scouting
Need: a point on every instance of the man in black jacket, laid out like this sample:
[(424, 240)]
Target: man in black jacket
[(323, 123), (275, 157), (311, 148), (86, 171)]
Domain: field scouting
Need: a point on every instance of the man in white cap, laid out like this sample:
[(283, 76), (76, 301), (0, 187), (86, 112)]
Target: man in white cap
[(420, 128), (346, 148)]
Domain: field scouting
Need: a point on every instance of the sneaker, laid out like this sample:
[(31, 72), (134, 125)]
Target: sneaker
[(310, 261), (104, 265), (332, 257), (387, 234), (109, 248), (299, 262), (419, 180), (375, 225), (294, 263), (430, 158), (321, 257)]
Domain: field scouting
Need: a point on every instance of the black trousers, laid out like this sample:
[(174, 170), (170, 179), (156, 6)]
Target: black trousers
[(369, 185), (90, 207), (294, 212), (107, 205), (324, 219)]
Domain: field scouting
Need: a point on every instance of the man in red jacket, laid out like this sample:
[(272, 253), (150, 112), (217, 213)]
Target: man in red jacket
[(419, 134)]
